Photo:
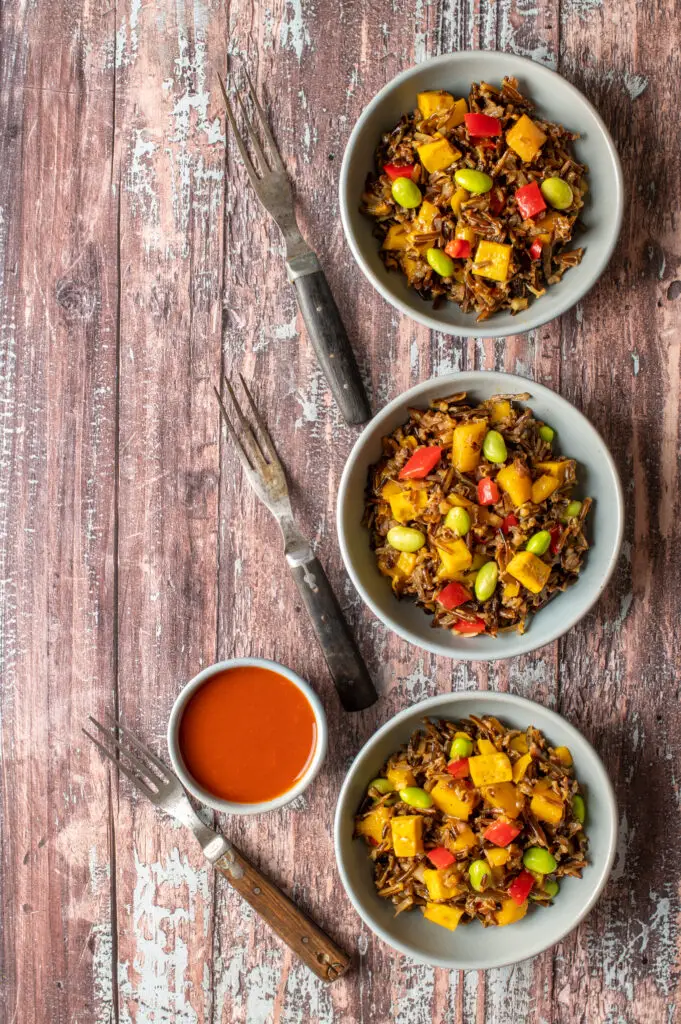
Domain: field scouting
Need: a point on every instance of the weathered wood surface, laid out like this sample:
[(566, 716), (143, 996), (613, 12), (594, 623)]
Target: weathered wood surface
[(131, 249)]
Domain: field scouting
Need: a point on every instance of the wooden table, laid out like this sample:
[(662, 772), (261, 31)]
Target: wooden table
[(136, 264)]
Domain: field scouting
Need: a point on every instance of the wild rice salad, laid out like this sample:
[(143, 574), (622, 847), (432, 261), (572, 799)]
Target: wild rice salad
[(472, 514), (476, 201), (474, 821)]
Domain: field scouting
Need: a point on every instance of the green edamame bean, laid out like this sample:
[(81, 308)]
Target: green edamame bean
[(382, 785), (457, 519), (476, 182), (579, 808), (441, 263), (551, 887), (557, 193), (479, 875), (404, 538), (486, 581), (573, 509), (547, 433), (494, 447), (406, 192), (540, 860), (538, 543), (416, 797), (460, 748)]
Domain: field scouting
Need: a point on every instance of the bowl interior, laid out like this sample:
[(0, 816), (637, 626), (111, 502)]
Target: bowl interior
[(597, 477), (473, 946), (555, 100)]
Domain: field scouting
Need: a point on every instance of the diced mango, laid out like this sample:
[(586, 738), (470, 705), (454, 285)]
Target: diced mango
[(492, 260), (488, 769), (560, 468), (505, 797), (546, 805), (521, 766), (456, 115), (407, 833), (526, 138), (401, 776), (519, 744), (447, 800), (372, 825), (464, 231), (500, 411), (464, 841), (564, 756), (486, 747), (547, 225), (543, 487), (516, 481), (454, 557), (459, 197), (441, 914), (510, 912), (467, 445), (435, 102), (441, 884), (397, 237), (496, 856), (529, 570), (425, 218), (437, 155), (510, 591), (405, 502), (404, 567), (458, 499)]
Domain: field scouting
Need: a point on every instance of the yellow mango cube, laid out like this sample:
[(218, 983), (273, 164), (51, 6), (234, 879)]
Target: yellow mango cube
[(407, 832), (529, 570), (510, 912), (543, 487), (505, 797), (397, 237), (546, 224), (401, 776), (516, 481), (371, 826), (440, 883), (510, 591), (405, 503), (437, 155), (560, 468), (546, 804), (404, 567), (526, 138), (456, 115), (454, 557), (465, 232), (519, 744), (496, 856), (521, 766), (464, 841), (424, 219), (447, 917), (447, 800), (459, 197), (467, 445), (500, 411), (492, 260), (435, 102), (564, 756), (486, 747), (488, 769)]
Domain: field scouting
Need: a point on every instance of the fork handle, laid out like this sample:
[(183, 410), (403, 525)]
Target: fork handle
[(302, 935), (353, 682), (329, 337)]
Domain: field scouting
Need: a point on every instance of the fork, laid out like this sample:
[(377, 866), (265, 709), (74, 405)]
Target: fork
[(160, 785), (317, 304), (266, 476)]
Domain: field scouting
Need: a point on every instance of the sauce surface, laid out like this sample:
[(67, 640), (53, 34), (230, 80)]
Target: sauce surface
[(247, 734)]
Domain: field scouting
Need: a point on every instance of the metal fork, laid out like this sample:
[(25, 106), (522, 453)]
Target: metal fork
[(160, 785), (266, 476), (317, 304)]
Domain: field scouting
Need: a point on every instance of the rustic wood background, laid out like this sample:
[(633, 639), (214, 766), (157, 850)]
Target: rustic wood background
[(136, 264)]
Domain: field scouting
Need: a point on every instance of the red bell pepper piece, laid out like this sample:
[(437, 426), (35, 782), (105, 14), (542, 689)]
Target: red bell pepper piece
[(501, 833), (421, 463), (398, 170), (529, 200), (536, 250), (556, 534), (481, 125), (453, 595), (466, 628), (458, 249), (459, 769), (440, 857), (508, 522), (488, 491), (496, 202), (520, 887)]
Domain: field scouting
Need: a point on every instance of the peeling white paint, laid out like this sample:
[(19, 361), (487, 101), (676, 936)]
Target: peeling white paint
[(635, 85), (636, 361), (294, 34)]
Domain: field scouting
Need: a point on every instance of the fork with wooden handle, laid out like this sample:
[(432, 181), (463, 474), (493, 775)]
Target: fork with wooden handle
[(160, 785)]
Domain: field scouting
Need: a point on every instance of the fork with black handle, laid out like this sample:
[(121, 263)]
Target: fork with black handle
[(266, 476), (320, 312)]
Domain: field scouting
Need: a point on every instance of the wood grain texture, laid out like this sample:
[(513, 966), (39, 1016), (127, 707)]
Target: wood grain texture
[(133, 554)]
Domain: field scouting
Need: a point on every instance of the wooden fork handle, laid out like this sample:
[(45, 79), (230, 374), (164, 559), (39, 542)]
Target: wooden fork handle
[(303, 936)]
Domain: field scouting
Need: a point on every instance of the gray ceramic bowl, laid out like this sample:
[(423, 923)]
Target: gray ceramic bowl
[(597, 477), (474, 947), (556, 100)]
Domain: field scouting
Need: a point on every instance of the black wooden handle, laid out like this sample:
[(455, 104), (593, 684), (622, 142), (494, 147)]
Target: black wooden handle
[(332, 345), (355, 689)]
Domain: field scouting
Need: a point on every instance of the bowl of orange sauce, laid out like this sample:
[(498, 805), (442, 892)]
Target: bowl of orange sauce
[(247, 736)]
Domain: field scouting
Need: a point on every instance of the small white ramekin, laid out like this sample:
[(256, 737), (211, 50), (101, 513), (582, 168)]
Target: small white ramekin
[(228, 806)]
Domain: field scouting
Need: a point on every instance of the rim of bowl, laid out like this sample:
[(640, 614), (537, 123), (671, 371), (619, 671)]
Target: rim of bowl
[(487, 330), (403, 400), (228, 806), (483, 696)]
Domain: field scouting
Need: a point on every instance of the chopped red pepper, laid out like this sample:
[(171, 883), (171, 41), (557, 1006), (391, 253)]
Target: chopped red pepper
[(459, 769), (556, 534), (529, 200), (507, 522), (453, 595), (421, 463), (458, 249), (488, 491), (398, 170), (536, 250), (496, 202), (481, 125), (440, 857), (520, 887), (469, 628), (501, 833)]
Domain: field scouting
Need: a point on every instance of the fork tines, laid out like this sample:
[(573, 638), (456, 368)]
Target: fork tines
[(258, 452), (275, 168), (144, 776)]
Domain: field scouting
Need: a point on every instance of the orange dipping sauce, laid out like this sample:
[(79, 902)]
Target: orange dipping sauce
[(247, 734)]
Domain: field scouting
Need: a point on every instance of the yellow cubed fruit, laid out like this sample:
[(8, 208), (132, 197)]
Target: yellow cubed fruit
[(435, 102), (543, 487), (510, 912), (516, 481), (457, 499), (529, 570), (486, 746), (500, 411), (456, 115), (519, 744), (397, 237), (492, 260), (440, 883), (505, 797), (546, 805), (564, 756), (437, 155), (488, 769), (526, 138), (404, 567), (560, 468), (465, 232), (459, 197), (447, 800), (510, 591), (454, 557), (448, 917), (467, 445), (423, 221), (464, 841), (405, 503), (401, 776), (371, 826), (496, 856), (546, 224), (407, 833), (521, 766)]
